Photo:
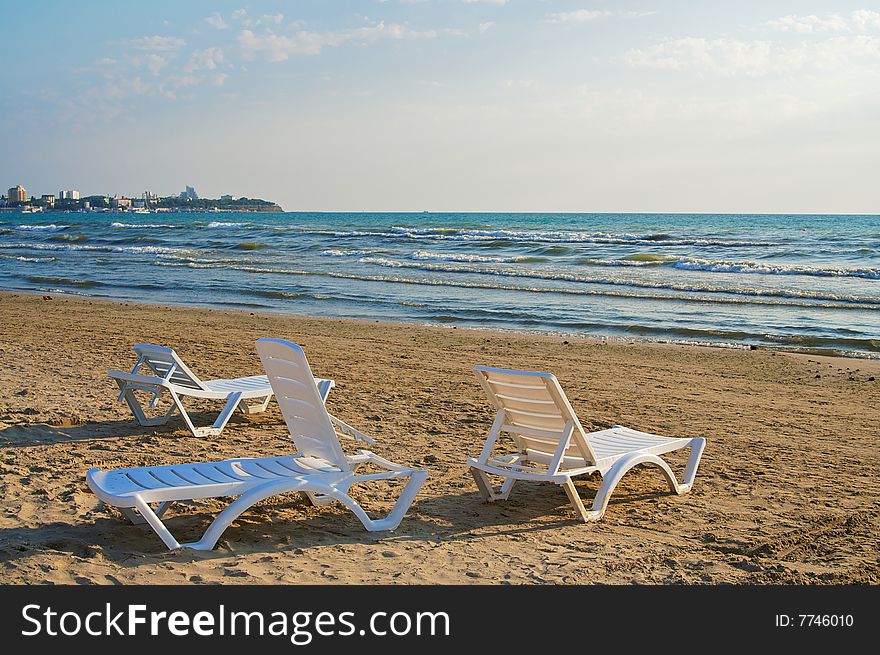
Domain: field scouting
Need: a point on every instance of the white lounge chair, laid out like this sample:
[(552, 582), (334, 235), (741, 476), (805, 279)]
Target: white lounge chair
[(553, 447), (320, 469), (170, 374)]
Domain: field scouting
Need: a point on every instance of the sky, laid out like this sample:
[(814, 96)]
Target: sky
[(450, 105)]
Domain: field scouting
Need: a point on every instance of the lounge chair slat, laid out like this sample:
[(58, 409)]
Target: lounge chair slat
[(142, 478)]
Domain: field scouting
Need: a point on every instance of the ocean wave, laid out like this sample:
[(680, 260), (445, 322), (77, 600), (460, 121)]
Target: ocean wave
[(69, 237), (218, 224), (713, 266), (82, 284), (773, 269), (73, 246), (29, 260), (146, 226), (38, 228), (651, 284), (424, 255), (345, 253), (492, 237), (562, 236), (771, 297)]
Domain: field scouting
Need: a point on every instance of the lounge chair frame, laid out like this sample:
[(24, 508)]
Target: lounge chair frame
[(171, 375), (320, 469), (552, 445)]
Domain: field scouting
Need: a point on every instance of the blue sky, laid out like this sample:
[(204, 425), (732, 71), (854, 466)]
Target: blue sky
[(480, 105)]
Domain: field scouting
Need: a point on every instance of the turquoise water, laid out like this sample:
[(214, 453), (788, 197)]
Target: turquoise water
[(800, 282)]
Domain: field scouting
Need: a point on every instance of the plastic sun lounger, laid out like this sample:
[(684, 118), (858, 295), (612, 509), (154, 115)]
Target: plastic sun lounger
[(553, 447), (320, 469), (170, 374)]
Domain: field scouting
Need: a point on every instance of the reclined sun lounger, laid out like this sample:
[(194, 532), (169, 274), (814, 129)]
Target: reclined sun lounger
[(553, 447), (170, 374), (320, 469)]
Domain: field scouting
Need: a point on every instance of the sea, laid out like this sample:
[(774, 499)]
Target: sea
[(806, 283)]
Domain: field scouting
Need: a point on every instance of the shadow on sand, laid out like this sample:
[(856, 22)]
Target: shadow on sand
[(282, 526)]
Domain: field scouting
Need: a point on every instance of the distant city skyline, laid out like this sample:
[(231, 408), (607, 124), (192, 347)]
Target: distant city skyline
[(451, 105)]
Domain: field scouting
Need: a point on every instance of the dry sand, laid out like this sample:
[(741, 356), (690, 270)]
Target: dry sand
[(787, 492)]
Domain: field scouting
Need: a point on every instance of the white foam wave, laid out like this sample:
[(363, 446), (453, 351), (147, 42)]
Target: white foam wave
[(627, 282), (216, 224), (456, 257), (773, 269), (36, 260), (554, 236), (51, 227), (345, 253), (146, 226), (73, 246)]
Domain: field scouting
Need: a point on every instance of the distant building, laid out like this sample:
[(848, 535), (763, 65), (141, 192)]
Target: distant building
[(17, 194), (120, 203), (189, 194), (48, 198), (70, 194), (229, 198)]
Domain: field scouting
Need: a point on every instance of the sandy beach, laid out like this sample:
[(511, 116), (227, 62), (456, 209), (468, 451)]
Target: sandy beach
[(787, 491)]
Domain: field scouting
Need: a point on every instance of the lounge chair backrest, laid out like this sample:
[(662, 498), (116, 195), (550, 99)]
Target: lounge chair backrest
[(300, 402), (161, 360), (535, 411)]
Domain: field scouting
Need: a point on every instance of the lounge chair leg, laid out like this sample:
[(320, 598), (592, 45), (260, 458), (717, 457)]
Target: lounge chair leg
[(131, 400), (137, 519), (485, 486), (255, 495), (394, 517), (257, 408), (698, 444), (156, 523), (507, 487), (575, 499), (613, 476), (232, 402), (197, 432), (318, 500)]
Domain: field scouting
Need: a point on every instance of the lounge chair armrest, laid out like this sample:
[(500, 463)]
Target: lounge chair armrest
[(136, 378), (345, 430)]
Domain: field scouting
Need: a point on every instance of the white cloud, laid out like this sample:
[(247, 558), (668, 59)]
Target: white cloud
[(206, 59), (485, 27), (865, 19), (215, 20), (577, 16), (158, 43), (640, 14), (755, 58), (860, 20), (500, 3), (155, 63), (809, 24), (518, 84), (278, 47)]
